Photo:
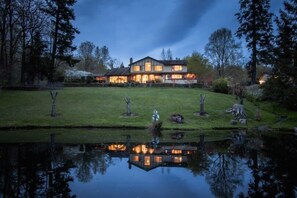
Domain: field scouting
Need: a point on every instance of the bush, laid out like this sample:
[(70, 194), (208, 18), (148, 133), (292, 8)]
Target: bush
[(254, 92), (220, 85)]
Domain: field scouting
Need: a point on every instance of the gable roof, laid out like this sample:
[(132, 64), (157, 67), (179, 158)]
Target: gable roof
[(143, 59), (165, 62), (119, 72)]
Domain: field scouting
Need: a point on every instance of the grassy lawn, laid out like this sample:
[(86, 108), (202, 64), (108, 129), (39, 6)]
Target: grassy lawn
[(104, 107)]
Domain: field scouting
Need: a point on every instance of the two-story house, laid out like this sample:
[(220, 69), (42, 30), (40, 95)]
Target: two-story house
[(148, 70), (163, 71)]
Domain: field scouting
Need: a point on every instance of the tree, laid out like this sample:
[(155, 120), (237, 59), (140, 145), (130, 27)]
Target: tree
[(61, 14), (282, 86), (85, 50), (105, 55), (33, 59), (199, 65), (163, 56), (223, 50), (256, 25), (166, 55)]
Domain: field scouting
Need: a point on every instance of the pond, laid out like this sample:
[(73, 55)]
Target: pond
[(238, 166)]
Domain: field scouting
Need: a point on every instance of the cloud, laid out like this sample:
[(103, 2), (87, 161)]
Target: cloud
[(182, 20)]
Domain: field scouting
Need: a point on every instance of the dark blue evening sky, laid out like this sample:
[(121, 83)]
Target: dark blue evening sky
[(139, 28)]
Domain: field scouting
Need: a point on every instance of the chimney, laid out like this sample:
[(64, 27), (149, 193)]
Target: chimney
[(131, 60)]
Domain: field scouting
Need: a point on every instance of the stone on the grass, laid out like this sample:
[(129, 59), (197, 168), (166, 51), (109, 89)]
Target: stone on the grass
[(233, 122)]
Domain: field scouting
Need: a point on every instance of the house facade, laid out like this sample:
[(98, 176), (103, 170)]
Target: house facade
[(161, 71), (150, 70)]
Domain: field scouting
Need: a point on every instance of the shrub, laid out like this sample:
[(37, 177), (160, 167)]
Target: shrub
[(220, 85)]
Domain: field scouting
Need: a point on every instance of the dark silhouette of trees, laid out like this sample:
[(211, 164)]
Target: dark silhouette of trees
[(222, 50), (256, 26), (282, 86), (62, 33)]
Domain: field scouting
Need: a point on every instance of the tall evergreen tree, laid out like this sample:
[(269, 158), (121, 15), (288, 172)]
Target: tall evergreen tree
[(163, 56), (61, 14), (256, 25), (282, 85)]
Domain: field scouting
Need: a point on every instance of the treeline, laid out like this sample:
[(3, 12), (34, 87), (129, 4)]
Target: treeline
[(274, 47), (95, 59), (35, 39)]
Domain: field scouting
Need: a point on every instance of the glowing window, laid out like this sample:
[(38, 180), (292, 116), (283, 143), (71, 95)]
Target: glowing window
[(151, 77), (158, 68), (118, 79), (136, 68), (137, 78), (148, 66), (190, 76), (176, 76), (177, 68), (144, 78)]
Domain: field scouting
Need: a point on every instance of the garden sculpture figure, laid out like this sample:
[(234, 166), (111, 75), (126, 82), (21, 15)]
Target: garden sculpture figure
[(128, 102), (53, 96), (156, 116), (202, 98)]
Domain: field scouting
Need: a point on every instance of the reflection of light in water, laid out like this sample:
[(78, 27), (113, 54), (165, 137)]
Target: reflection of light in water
[(147, 161), (144, 149), (158, 159), (177, 159), (136, 158), (117, 147), (174, 151), (151, 150)]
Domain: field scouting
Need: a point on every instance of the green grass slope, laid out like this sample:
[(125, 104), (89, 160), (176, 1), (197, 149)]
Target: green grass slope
[(104, 107)]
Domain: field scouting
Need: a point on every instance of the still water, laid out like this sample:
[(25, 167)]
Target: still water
[(238, 166)]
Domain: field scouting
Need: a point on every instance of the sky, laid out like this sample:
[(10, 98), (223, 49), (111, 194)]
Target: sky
[(139, 28)]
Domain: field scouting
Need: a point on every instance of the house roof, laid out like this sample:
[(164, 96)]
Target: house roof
[(165, 62), (174, 62), (119, 72)]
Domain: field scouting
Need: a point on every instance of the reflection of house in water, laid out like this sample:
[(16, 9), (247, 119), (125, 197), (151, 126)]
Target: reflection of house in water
[(148, 158), (72, 150)]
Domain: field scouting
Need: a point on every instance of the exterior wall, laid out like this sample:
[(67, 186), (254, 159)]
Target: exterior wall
[(142, 66), (168, 69)]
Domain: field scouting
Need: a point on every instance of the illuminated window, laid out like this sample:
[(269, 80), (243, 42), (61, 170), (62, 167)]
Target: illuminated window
[(118, 79), (151, 77), (144, 78), (136, 68), (190, 76), (148, 66), (158, 159), (147, 160), (176, 76), (158, 68), (177, 68), (137, 78)]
